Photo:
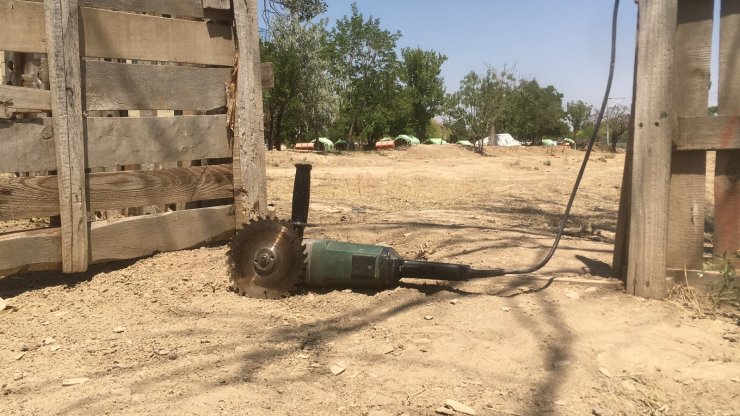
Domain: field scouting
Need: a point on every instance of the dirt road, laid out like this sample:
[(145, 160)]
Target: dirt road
[(163, 335)]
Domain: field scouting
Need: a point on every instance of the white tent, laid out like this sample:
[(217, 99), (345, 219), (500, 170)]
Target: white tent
[(503, 139)]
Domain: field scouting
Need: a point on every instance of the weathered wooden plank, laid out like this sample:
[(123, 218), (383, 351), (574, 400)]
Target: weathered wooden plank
[(190, 8), (22, 26), (217, 4), (23, 100), (708, 133), (133, 141), (119, 240), (37, 196), (161, 186), (28, 251), (62, 34), (621, 238), (249, 159), (266, 75), (727, 164), (652, 149), (688, 169), (109, 34), (120, 86), (27, 145)]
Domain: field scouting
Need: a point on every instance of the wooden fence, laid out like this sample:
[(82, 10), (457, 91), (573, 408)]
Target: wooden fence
[(660, 232), (96, 137)]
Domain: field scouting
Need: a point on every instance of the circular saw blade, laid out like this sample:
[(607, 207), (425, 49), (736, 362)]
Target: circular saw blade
[(267, 259)]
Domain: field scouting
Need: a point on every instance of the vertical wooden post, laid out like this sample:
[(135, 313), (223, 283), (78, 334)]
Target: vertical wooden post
[(250, 196), (646, 269), (687, 204), (727, 168), (63, 48), (621, 240)]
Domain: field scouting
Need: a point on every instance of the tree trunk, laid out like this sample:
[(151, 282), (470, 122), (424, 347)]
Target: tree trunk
[(492, 135)]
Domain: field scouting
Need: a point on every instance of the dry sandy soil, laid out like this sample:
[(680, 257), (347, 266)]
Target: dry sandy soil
[(163, 335)]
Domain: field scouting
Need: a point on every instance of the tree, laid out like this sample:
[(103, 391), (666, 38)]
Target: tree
[(303, 10), (302, 102), (617, 124), (454, 117), (364, 66), (484, 97), (577, 113), (533, 112), (424, 87)]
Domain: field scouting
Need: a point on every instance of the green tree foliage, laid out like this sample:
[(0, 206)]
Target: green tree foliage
[(303, 10), (302, 103), (577, 113), (483, 99), (533, 112), (424, 86), (364, 67)]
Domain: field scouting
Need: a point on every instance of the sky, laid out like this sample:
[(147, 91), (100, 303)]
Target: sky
[(565, 43)]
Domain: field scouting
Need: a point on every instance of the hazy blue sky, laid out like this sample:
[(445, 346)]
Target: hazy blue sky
[(564, 43)]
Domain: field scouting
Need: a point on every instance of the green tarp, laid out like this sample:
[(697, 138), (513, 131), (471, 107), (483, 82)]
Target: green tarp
[(464, 143), (406, 140), (322, 144)]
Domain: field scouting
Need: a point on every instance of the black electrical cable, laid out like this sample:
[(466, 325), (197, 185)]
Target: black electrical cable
[(500, 272)]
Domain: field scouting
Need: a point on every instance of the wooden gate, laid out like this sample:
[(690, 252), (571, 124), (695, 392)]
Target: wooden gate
[(153, 107), (660, 232)]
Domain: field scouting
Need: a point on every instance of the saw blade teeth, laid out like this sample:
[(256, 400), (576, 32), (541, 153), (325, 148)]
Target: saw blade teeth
[(281, 257)]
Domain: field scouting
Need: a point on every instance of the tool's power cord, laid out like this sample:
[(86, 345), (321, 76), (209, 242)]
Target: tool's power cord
[(500, 272)]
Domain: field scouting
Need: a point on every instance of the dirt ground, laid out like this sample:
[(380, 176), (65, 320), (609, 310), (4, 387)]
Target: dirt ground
[(163, 335)]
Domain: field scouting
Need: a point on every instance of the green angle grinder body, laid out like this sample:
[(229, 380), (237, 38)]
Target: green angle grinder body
[(337, 264)]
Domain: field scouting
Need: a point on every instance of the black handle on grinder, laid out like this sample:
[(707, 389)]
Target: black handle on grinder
[(434, 271), (301, 196)]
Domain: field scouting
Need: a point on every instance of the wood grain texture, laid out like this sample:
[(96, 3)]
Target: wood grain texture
[(38, 196), (133, 141), (22, 26), (727, 165), (190, 8), (621, 238), (120, 86), (708, 133), (653, 135), (23, 100), (109, 34), (28, 251), (687, 206), (217, 4), (119, 240), (250, 197), (62, 34), (27, 145)]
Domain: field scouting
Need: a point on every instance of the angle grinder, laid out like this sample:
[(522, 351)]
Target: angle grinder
[(269, 257)]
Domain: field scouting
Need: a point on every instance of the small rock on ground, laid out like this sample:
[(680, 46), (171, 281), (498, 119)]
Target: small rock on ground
[(74, 381), (460, 407), (338, 368), (444, 411), (597, 411), (123, 391)]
